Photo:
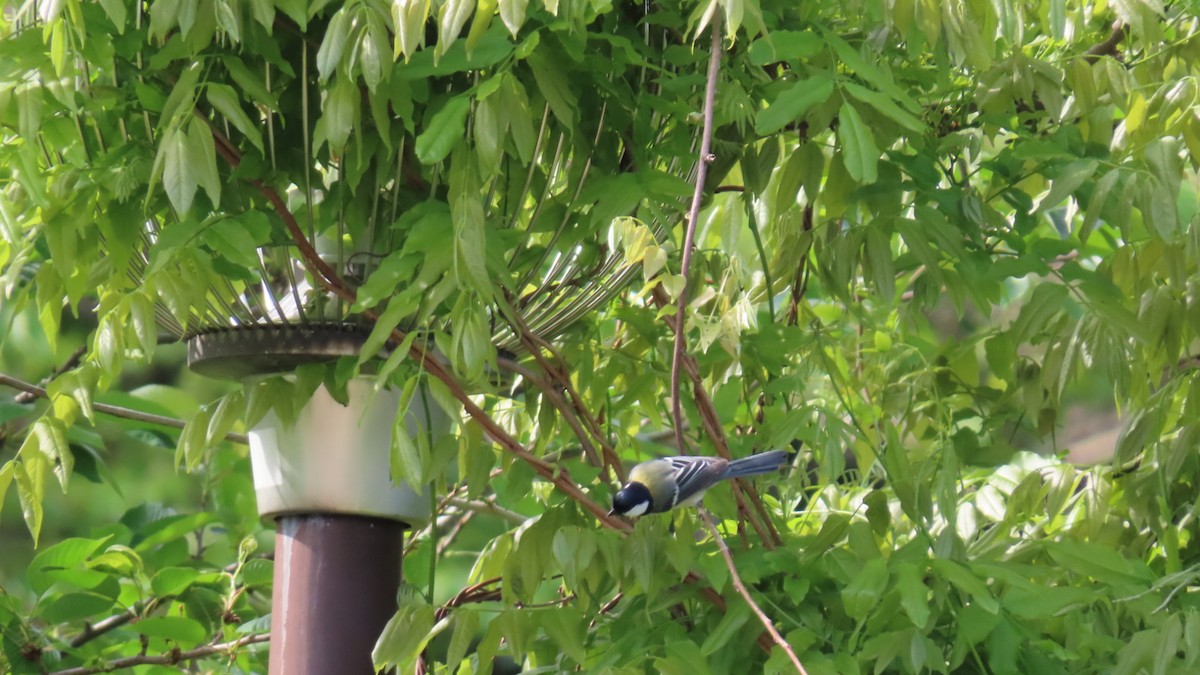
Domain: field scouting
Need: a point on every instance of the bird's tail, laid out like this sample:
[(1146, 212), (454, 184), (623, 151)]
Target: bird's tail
[(765, 462)]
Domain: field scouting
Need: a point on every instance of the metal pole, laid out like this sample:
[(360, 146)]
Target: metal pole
[(336, 580)]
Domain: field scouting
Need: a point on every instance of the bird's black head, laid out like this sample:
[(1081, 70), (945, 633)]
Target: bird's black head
[(632, 500)]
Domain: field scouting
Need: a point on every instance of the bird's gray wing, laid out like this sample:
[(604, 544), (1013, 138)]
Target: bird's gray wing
[(694, 475)]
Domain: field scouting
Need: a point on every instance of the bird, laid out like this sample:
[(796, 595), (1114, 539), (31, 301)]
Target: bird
[(659, 485)]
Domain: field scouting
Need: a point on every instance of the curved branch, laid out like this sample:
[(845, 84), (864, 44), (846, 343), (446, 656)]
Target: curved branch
[(115, 411), (1109, 46), (741, 589), (91, 631)]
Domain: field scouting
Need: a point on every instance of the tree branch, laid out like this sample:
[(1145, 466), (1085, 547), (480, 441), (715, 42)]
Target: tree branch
[(741, 589), (689, 239), (168, 659), (1109, 46), (91, 631), (26, 397), (115, 411)]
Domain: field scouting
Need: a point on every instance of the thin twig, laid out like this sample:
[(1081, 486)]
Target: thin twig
[(712, 426), (556, 371), (168, 659), (91, 631), (71, 362), (487, 506), (741, 589), (689, 239), (115, 411)]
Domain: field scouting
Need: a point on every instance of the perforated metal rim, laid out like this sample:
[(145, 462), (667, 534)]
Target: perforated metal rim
[(236, 353)]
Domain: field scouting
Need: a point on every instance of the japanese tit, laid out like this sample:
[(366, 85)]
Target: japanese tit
[(660, 485)]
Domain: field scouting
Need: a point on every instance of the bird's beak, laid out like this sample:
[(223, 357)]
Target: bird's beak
[(612, 512)]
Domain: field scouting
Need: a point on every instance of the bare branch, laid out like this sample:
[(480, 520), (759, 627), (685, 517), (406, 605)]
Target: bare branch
[(1109, 46), (689, 239), (487, 506), (92, 631), (115, 411), (71, 362), (741, 589)]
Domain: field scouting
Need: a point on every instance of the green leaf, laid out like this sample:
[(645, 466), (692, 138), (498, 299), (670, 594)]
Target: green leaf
[(372, 50), (727, 629), (475, 458), (145, 327), (914, 594), (784, 45), (229, 20), (445, 130), (7, 473), (203, 155), (1096, 202), (859, 151), (179, 176), (1098, 562), (567, 627), (404, 636), (967, 582), (878, 78), (76, 606), (181, 101), (225, 100), (466, 625), (1044, 602), (790, 106), (552, 82), (341, 111), (185, 631), (171, 581), (227, 413), (452, 17), (115, 9), (250, 84), (512, 13), (168, 529), (193, 445), (886, 106), (333, 45), (297, 10), (865, 589), (264, 13), (410, 17), (1067, 181), (49, 437), (65, 556), (1046, 301), (409, 455), (30, 474)]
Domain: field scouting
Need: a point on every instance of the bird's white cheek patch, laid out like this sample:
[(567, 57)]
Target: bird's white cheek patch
[(638, 510)]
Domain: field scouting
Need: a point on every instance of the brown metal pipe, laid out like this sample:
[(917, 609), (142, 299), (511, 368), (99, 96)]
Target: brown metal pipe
[(336, 579)]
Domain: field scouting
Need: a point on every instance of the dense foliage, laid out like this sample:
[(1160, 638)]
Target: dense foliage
[(925, 226)]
